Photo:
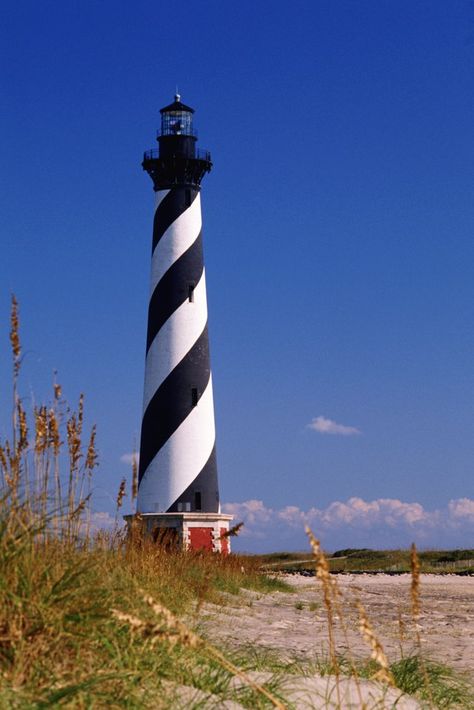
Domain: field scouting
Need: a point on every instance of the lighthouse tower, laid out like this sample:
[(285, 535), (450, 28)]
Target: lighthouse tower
[(178, 493)]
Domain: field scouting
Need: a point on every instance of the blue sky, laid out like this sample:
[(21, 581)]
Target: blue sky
[(338, 243)]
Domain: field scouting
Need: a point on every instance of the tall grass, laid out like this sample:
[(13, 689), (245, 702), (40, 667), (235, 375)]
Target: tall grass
[(89, 619)]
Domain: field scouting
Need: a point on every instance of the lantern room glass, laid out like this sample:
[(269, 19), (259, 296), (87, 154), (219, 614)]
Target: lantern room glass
[(177, 123)]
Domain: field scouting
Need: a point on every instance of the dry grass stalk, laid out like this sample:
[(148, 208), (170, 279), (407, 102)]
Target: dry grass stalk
[(57, 391), (16, 355), (22, 443), (174, 631), (333, 599), (91, 456), (40, 497), (323, 574), (54, 437), (15, 336), (232, 532), (41, 429), (377, 652), (121, 493), (134, 475)]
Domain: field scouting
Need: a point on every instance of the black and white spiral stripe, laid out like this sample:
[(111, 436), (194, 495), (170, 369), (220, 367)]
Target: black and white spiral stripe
[(177, 448)]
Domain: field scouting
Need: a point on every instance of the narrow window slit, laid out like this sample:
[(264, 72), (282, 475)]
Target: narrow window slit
[(194, 396), (191, 287)]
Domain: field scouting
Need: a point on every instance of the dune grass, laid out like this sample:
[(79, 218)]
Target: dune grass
[(77, 627), (61, 642)]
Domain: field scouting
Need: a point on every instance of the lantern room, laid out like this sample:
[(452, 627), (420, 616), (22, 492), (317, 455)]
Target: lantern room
[(177, 136)]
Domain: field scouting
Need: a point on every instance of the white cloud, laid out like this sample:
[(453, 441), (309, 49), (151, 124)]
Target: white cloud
[(462, 508), (383, 522), (327, 426), (128, 458)]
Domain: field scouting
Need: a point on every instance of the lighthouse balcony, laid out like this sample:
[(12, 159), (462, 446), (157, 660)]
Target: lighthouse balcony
[(175, 169), (154, 154)]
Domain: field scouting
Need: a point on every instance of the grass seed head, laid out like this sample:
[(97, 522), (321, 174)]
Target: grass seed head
[(15, 335), (121, 493), (91, 457), (22, 443), (134, 476), (54, 439), (233, 531), (377, 653), (41, 429), (73, 430)]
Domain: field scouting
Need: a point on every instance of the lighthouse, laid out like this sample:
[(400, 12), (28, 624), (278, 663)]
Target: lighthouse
[(178, 493)]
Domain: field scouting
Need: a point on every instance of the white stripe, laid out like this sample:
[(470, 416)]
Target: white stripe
[(180, 460), (160, 196), (176, 240), (175, 338)]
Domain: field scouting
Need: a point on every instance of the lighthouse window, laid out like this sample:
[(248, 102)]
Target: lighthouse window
[(197, 500), (187, 197), (191, 287), (194, 396)]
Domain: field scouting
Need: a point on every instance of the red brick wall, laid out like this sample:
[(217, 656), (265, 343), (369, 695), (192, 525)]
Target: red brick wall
[(224, 542), (201, 538)]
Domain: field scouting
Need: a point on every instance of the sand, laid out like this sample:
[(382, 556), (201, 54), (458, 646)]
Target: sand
[(274, 621)]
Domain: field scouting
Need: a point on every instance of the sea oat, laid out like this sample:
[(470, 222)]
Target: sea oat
[(232, 532), (134, 476), (41, 429), (91, 457), (73, 440), (22, 443), (377, 652), (80, 414), (121, 493), (3, 458), (329, 590), (54, 438), (15, 336)]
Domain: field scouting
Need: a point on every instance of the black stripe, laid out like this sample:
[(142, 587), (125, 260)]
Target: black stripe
[(170, 208), (206, 484), (172, 401), (173, 288)]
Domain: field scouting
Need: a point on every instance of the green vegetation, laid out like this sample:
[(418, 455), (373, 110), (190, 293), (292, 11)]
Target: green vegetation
[(432, 682), (61, 643), (367, 560)]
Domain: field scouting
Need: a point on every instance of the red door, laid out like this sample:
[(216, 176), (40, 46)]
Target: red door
[(201, 538)]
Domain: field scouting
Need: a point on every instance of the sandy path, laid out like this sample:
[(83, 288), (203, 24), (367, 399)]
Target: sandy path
[(274, 621)]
